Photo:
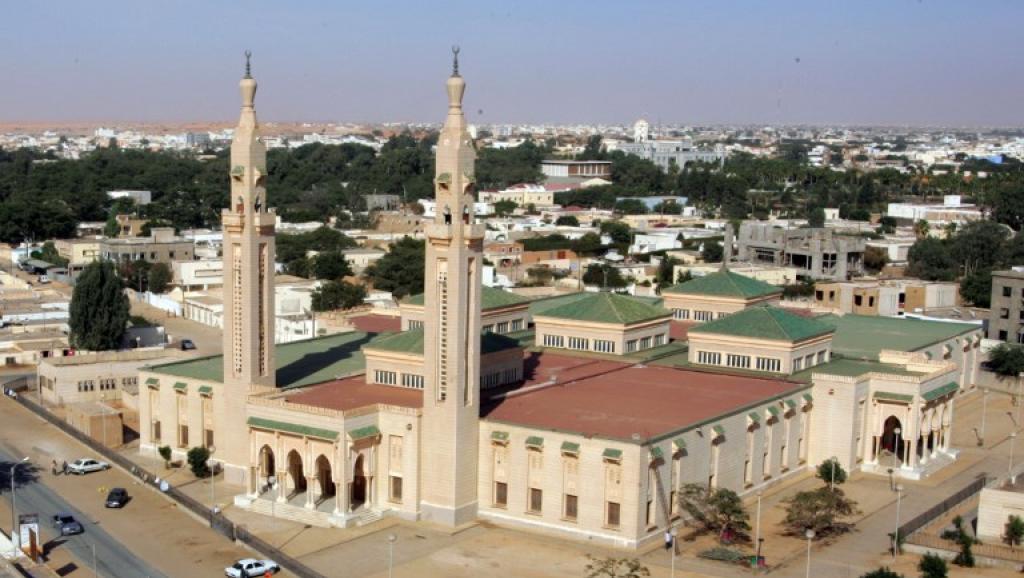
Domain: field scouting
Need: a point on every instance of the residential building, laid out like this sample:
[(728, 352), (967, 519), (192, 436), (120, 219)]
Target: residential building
[(1006, 317), (815, 253), (579, 169), (162, 246), (888, 298)]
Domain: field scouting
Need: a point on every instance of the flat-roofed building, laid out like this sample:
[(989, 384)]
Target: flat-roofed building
[(602, 322), (716, 295), (578, 169), (160, 247), (1006, 317), (887, 298), (94, 376)]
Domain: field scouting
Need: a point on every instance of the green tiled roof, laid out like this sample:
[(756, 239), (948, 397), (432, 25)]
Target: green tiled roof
[(205, 390), (754, 417), (790, 404), (364, 432), (499, 436), (293, 428), (765, 323), (298, 363), (411, 342), (607, 308), (808, 398), (152, 381), (656, 453), (774, 410), (719, 430), (490, 298), (889, 396), (570, 448), (857, 367), (180, 386), (535, 442), (540, 306), (941, 391), (612, 454), (864, 336), (725, 284), (680, 443)]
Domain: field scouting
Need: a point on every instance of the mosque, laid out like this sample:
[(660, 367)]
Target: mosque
[(580, 416)]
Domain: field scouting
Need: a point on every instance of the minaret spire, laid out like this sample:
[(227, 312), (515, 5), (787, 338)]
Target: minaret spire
[(455, 60), (248, 68)]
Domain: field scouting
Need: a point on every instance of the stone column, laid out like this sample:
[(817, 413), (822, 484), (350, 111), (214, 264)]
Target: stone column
[(310, 485), (254, 481), (282, 486)]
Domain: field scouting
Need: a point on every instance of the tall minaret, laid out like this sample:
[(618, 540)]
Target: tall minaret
[(248, 280), (451, 397)]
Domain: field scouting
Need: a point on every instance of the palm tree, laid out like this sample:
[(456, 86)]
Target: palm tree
[(921, 229)]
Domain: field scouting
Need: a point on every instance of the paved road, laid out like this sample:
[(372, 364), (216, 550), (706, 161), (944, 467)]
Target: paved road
[(112, 558)]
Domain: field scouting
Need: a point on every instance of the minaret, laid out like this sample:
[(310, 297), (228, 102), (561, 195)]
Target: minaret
[(248, 291), (451, 396)]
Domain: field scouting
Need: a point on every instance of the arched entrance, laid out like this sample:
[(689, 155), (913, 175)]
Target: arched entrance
[(892, 437), (267, 467), (358, 495), (295, 472), (326, 480)]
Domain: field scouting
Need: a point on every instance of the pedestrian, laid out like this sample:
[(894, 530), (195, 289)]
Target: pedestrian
[(64, 467), (53, 467), (668, 539)]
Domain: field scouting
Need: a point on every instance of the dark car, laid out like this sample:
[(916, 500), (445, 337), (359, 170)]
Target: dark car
[(187, 345), (117, 498), (67, 525)]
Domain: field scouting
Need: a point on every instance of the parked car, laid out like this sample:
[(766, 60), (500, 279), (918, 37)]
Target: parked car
[(117, 498), (87, 466), (187, 345), (251, 568), (67, 525)]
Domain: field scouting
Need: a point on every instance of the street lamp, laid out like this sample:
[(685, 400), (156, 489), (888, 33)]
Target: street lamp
[(809, 534), (896, 534), (896, 447), (14, 508), (757, 530), (1009, 466), (834, 461), (984, 410), (212, 465), (672, 533), (391, 553)]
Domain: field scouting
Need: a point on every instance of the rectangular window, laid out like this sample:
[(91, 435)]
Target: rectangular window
[(385, 377), (570, 507), (517, 324), (703, 315), (681, 314), (155, 430), (858, 300), (503, 327), (182, 436), (579, 343), (709, 358), (1007, 292), (1004, 313), (536, 500), (740, 361), (769, 364), (500, 494), (208, 435), (798, 364), (554, 341), (612, 515), (645, 343), (631, 346), (488, 329), (415, 324), (821, 356), (412, 380), (490, 380), (604, 346), (395, 493), (659, 340)]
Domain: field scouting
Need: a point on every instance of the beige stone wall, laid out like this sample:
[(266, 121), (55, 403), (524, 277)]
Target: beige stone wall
[(643, 477), (412, 318), (97, 377), (707, 307), (792, 357), (548, 328), (994, 511)]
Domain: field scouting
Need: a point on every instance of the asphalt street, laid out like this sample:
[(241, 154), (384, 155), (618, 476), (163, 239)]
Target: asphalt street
[(111, 558)]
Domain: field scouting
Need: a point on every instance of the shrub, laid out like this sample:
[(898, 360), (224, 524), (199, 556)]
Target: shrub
[(932, 566), (197, 458), (723, 554), (165, 453)]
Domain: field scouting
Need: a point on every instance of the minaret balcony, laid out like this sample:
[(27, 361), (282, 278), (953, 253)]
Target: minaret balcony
[(443, 231)]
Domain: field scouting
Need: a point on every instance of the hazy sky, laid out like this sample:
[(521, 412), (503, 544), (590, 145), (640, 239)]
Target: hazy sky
[(921, 62)]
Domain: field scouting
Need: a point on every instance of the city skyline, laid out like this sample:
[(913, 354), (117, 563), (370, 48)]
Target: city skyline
[(898, 64)]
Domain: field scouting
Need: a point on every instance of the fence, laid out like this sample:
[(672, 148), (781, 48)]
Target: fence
[(942, 507), (218, 522)]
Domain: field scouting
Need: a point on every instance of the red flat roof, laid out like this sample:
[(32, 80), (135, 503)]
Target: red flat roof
[(376, 323), (616, 400), (353, 392), (679, 330)]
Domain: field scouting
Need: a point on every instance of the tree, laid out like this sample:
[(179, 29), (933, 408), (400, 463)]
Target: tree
[(1006, 360), (604, 275), (99, 308), (831, 472), (49, 254), (965, 557), (932, 566), (588, 244), (666, 270), (875, 259), (617, 230), (197, 458), (712, 252), (821, 510), (717, 510), (881, 573), (887, 225), (631, 207), (615, 568), (979, 246), (401, 270), (160, 277), (331, 265), (504, 207), (976, 288), (816, 218), (684, 276), (165, 453), (1014, 531), (568, 221), (930, 259), (921, 229), (135, 274), (333, 295)]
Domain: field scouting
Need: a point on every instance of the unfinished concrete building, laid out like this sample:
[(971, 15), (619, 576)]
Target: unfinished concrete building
[(814, 253)]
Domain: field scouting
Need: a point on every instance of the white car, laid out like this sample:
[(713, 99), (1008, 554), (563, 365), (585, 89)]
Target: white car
[(251, 568), (87, 466)]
